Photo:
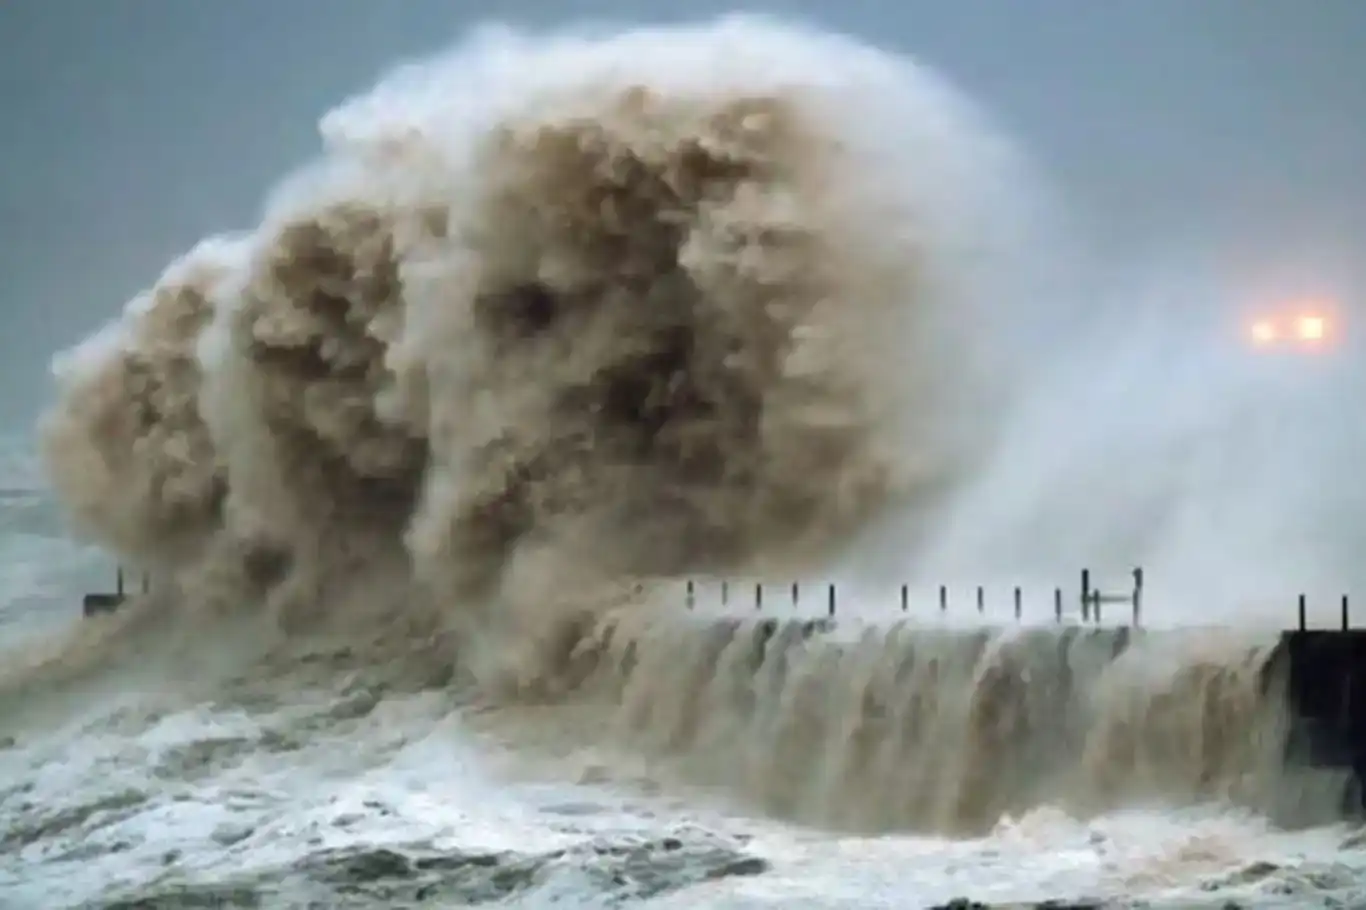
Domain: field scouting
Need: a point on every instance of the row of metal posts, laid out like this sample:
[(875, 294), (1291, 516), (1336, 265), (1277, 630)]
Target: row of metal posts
[(1304, 610), (1091, 598), (118, 583)]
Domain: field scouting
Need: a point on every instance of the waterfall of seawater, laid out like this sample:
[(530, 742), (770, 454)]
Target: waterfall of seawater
[(913, 726)]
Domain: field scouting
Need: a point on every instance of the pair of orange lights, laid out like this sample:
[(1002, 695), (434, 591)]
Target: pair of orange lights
[(1304, 329)]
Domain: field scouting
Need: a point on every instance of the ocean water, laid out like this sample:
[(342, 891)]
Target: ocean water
[(419, 467)]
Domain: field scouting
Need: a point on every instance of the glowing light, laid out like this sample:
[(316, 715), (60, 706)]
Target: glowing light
[(1312, 328), (1308, 326)]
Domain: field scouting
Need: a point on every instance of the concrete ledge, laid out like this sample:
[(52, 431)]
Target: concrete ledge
[(98, 604)]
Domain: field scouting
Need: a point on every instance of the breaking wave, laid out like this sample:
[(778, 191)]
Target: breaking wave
[(620, 307), (553, 321)]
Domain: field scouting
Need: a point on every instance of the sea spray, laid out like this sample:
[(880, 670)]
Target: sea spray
[(551, 315)]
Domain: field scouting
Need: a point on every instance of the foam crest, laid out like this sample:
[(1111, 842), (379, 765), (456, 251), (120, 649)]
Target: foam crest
[(298, 363), (128, 449)]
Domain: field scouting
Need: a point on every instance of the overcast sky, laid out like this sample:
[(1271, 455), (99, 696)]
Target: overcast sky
[(135, 127)]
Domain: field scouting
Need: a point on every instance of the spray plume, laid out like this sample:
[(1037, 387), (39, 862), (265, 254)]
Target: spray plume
[(623, 307)]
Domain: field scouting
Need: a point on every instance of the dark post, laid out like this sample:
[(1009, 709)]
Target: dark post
[(1019, 603), (118, 582), (795, 593), (830, 606), (905, 598), (1138, 595), (725, 593), (1057, 604), (692, 595), (981, 600), (1303, 618), (1095, 606), (759, 596), (1346, 618), (1085, 595), (943, 598)]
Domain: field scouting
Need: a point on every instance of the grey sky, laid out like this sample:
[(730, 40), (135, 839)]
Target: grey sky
[(135, 127)]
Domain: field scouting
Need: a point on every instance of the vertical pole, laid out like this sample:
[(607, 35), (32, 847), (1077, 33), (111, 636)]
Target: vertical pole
[(725, 593), (905, 598), (691, 599), (1095, 606), (1085, 595), (759, 596), (1019, 604), (981, 600), (118, 581), (1138, 595), (1304, 620), (943, 598), (830, 606), (796, 593), (1346, 617), (1057, 604)]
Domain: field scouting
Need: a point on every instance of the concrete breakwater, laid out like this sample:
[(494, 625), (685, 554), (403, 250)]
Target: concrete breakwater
[(920, 723), (914, 724)]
